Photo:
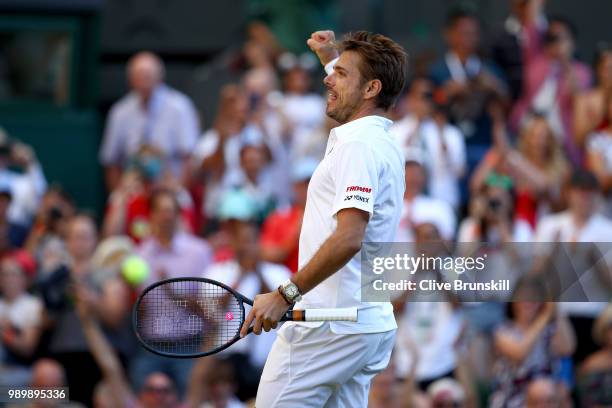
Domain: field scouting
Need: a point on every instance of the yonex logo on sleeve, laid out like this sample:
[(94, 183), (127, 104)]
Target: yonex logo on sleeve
[(359, 188)]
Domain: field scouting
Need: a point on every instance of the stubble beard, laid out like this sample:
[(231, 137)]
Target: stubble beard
[(342, 113)]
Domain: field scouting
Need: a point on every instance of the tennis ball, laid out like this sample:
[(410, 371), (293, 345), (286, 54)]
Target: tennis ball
[(135, 270)]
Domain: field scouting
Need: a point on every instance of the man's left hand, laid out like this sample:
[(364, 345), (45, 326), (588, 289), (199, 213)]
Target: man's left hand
[(266, 312)]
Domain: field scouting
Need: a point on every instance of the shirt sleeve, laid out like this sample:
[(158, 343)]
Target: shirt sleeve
[(110, 151), (205, 147), (355, 177), (189, 127), (457, 155)]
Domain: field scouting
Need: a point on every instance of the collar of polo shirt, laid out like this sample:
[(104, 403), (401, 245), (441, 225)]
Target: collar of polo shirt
[(349, 127)]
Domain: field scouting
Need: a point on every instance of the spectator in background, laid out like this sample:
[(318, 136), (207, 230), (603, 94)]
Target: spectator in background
[(281, 230), (128, 210), (152, 114), (67, 343), (595, 374), (493, 230), (261, 48), (304, 109), (48, 373), (258, 180), (248, 274), (591, 112), (304, 112), (417, 106), (492, 214), (235, 208), (537, 168), (520, 41), (466, 82), (599, 157), (50, 223), (157, 391), (428, 322), (582, 222), (418, 206), (218, 155), (169, 253), (22, 175), (552, 81), (529, 344), (213, 385), (21, 319), (426, 127), (11, 235), (267, 116)]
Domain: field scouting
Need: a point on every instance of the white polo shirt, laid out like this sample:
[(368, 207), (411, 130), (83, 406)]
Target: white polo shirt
[(363, 168)]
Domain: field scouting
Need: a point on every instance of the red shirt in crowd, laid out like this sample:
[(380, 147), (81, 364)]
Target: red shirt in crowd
[(282, 229)]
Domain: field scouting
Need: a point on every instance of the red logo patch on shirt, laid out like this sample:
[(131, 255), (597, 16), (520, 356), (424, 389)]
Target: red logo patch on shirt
[(359, 188)]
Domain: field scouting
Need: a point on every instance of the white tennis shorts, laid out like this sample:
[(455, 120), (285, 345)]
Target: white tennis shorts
[(313, 367)]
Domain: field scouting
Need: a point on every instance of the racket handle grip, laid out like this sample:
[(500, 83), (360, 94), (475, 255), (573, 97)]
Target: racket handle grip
[(347, 314)]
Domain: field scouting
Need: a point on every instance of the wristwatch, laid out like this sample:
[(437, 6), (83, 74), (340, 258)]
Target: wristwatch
[(290, 292)]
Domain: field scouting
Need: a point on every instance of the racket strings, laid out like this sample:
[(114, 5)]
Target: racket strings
[(188, 317)]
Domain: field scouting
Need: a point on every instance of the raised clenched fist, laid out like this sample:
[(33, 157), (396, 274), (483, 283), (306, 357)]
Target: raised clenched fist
[(323, 44)]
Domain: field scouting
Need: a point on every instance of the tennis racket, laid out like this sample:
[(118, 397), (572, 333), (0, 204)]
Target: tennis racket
[(196, 317)]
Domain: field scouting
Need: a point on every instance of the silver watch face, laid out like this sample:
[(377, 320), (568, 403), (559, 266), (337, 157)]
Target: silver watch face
[(291, 291)]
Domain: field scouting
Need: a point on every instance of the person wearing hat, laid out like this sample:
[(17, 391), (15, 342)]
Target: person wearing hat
[(281, 230), (596, 371)]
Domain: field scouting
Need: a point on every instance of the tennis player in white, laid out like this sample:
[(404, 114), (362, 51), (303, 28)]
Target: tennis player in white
[(354, 196)]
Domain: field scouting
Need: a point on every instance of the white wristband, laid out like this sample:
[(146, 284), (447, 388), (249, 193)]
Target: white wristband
[(329, 67)]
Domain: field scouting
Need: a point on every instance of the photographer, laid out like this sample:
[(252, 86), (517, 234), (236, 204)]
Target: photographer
[(551, 83), (21, 173), (492, 215)]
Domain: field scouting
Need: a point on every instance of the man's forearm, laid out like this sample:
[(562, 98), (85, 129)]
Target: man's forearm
[(335, 252)]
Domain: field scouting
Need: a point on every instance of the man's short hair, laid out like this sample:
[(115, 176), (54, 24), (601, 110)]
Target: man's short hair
[(161, 192), (382, 59), (459, 14), (566, 22)]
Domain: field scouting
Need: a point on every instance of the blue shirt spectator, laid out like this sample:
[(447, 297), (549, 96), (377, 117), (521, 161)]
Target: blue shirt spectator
[(152, 114)]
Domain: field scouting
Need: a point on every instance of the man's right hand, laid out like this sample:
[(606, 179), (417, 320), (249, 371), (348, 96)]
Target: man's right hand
[(323, 44)]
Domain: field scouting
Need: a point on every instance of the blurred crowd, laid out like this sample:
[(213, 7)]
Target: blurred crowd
[(507, 138)]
